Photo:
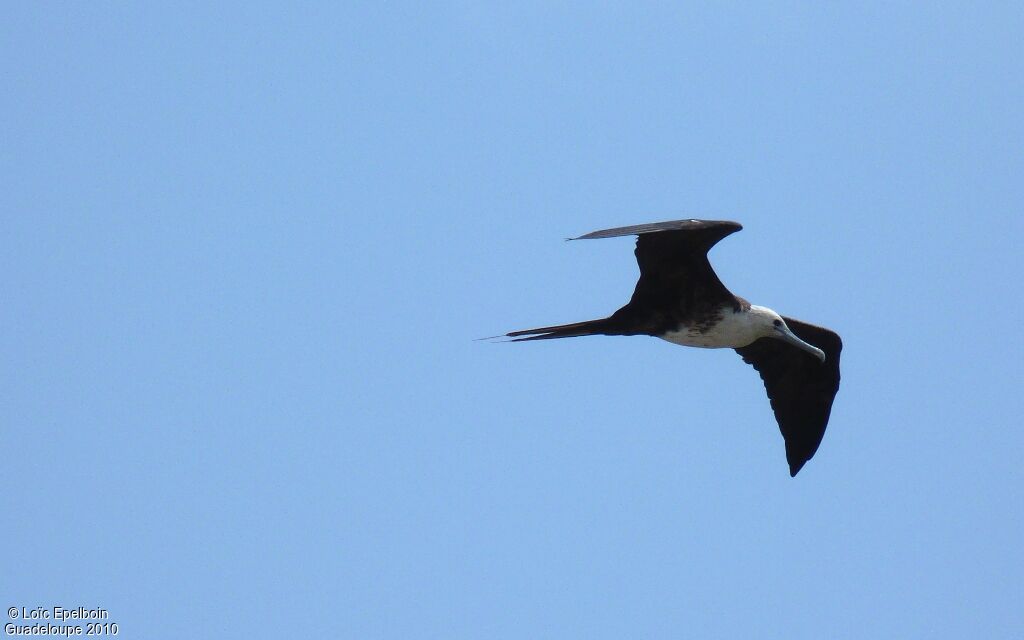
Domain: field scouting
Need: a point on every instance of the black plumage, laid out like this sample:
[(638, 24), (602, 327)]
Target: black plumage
[(678, 291), (801, 389)]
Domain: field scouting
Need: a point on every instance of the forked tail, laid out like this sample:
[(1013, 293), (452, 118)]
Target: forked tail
[(586, 328)]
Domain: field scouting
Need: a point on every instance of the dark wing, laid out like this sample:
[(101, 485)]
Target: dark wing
[(692, 226), (676, 281), (801, 388)]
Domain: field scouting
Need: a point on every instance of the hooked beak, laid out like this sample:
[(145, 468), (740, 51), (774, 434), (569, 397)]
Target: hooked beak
[(788, 336)]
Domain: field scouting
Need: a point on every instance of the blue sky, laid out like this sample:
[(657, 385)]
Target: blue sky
[(247, 248)]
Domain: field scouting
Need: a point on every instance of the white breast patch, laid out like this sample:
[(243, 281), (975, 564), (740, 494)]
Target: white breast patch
[(735, 329)]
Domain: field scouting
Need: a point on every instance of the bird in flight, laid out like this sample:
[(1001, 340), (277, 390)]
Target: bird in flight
[(679, 298)]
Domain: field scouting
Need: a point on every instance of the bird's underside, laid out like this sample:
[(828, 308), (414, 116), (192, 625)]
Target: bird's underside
[(679, 297)]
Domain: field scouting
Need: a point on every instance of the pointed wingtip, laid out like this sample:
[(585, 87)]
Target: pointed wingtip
[(503, 335)]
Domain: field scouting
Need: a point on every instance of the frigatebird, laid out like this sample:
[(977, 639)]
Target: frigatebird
[(679, 298)]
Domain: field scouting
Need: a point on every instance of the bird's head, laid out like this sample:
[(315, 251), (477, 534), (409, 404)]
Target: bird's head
[(772, 325)]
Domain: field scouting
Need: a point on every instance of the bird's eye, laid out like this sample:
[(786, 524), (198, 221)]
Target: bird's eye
[(777, 323)]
